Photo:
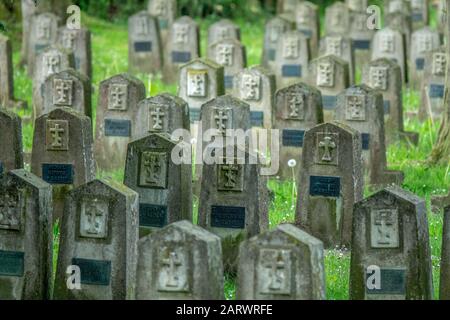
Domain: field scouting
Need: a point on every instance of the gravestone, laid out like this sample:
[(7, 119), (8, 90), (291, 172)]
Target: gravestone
[(286, 6), (7, 99), (283, 264), (337, 19), (340, 46), (11, 150), (274, 29), (388, 43), (62, 153), (182, 46), (43, 33), (165, 11), (419, 13), (145, 49), (116, 119), (330, 75), (441, 17), (331, 176), (297, 109), (223, 29), (292, 58), (385, 76), (433, 85), (357, 5), (361, 37), (163, 113), (423, 41), (67, 88), (181, 261), (445, 259), (256, 86), (307, 20), (230, 54), (233, 201), (49, 62), (402, 23), (99, 239), (362, 108), (25, 237), (164, 186), (391, 256), (79, 42)]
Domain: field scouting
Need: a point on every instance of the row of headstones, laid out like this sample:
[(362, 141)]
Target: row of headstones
[(101, 255)]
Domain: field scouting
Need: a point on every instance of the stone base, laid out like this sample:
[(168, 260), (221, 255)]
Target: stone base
[(438, 203), (409, 137)]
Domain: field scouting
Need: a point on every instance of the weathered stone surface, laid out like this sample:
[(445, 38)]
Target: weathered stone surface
[(340, 46), (274, 29), (26, 237), (67, 88), (391, 256), (116, 119), (79, 42), (291, 63), (283, 264), (337, 19), (180, 261), (52, 60), (166, 12), (361, 36), (99, 235), (444, 293), (256, 86), (307, 20), (230, 54), (182, 46), (145, 49), (419, 13), (331, 181), (286, 6), (11, 150), (356, 5), (223, 29), (330, 75), (402, 23), (297, 109), (361, 108)]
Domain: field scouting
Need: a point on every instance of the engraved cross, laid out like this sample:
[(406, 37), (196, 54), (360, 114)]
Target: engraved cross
[(383, 221), (230, 172), (7, 207), (172, 262), (157, 116), (221, 120), (57, 133), (152, 168), (276, 272), (93, 213), (328, 145)]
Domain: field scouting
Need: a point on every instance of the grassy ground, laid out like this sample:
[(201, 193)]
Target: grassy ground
[(110, 58)]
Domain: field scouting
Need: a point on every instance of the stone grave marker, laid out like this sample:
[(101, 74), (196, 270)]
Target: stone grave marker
[(444, 292), (388, 43), (11, 150), (402, 23), (307, 21), (49, 62), (116, 119), (223, 29), (67, 88), (330, 75), (182, 46), (230, 54), (274, 29), (7, 99), (256, 86), (331, 180), (180, 261), (433, 85), (337, 19), (99, 238), (341, 47), (287, 6), (391, 256), (79, 42), (297, 109), (233, 200), (441, 18), (145, 49), (357, 5), (362, 108), (43, 33), (361, 37), (164, 186), (165, 11), (283, 264), (62, 153), (393, 6), (26, 237), (292, 58), (419, 13), (385, 76), (423, 41)]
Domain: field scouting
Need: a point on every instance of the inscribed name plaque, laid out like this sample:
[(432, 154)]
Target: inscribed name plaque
[(331, 176), (391, 257), (181, 261), (99, 237), (283, 264), (25, 237), (79, 42), (11, 149)]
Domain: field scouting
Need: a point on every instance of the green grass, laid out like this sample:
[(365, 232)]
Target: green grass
[(110, 58)]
